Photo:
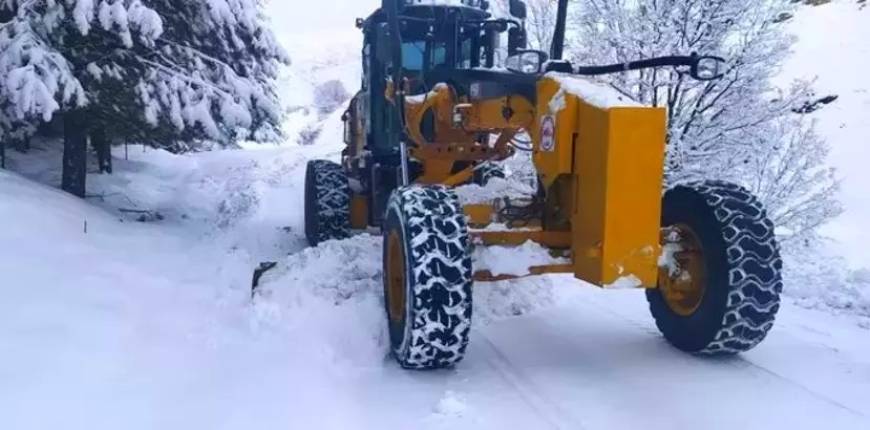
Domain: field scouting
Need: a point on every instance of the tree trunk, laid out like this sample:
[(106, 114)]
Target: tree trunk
[(23, 144), (103, 147), (2, 153), (75, 154)]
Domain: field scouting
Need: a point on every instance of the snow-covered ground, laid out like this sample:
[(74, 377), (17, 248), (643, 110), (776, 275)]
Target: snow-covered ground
[(833, 49), (109, 323), (151, 325)]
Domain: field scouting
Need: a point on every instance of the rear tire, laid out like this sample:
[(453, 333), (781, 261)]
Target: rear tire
[(327, 202), (742, 266), (427, 277)]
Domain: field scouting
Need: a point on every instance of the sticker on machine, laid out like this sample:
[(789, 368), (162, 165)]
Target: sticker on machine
[(548, 133)]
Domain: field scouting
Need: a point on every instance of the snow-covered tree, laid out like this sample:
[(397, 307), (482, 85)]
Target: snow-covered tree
[(158, 71), (540, 21), (330, 96), (214, 68), (36, 78), (740, 128)]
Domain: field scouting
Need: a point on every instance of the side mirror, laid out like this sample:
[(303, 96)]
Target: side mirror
[(707, 68), (517, 40), (527, 62), (518, 9)]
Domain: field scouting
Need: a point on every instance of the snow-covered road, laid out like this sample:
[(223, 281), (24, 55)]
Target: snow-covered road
[(144, 326)]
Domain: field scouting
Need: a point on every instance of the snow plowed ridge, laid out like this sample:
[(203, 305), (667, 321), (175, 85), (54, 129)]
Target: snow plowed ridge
[(341, 282), (332, 292)]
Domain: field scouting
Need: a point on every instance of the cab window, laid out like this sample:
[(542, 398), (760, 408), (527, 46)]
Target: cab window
[(414, 54)]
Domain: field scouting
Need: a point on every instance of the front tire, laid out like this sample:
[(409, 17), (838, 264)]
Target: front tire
[(327, 202), (727, 300), (427, 277)]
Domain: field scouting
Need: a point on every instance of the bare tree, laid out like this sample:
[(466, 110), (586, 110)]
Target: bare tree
[(741, 127), (540, 22)]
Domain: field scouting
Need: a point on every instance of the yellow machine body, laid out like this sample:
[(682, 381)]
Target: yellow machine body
[(603, 167), (613, 158)]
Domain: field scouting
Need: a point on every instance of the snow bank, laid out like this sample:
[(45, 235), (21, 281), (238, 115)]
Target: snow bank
[(819, 279), (342, 281), (99, 311), (334, 292)]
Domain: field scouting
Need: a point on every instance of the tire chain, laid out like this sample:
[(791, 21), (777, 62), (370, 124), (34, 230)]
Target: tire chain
[(435, 228), (755, 265), (332, 199)]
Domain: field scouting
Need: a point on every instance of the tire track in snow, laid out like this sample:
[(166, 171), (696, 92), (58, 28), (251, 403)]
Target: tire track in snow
[(734, 362), (554, 415), (813, 393)]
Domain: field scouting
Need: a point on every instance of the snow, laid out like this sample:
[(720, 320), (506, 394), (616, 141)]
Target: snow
[(668, 258), (151, 325), (558, 102), (148, 22), (833, 49), (474, 4), (30, 94), (495, 188), (451, 405), (625, 283), (83, 13), (516, 261), (595, 94)]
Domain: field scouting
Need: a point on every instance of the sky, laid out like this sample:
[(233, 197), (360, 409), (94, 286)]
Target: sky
[(316, 22)]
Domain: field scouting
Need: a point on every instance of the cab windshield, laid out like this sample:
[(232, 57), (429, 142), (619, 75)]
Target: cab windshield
[(414, 55)]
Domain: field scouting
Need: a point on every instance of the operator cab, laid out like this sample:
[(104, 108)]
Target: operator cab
[(434, 37), (440, 42)]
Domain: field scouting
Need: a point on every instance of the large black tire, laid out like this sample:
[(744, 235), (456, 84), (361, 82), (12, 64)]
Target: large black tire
[(327, 202), (743, 270), (434, 316)]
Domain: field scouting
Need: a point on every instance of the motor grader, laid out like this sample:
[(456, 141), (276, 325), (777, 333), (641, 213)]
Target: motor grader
[(437, 107)]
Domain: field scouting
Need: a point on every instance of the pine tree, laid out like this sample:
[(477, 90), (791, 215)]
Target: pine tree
[(163, 72)]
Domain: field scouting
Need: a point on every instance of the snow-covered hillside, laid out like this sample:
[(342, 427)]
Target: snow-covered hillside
[(833, 49), (324, 45)]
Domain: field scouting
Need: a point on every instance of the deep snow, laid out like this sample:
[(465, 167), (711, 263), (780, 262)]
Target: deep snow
[(833, 49), (151, 325)]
